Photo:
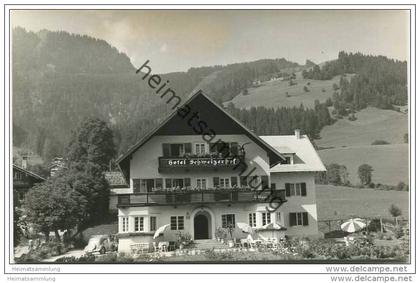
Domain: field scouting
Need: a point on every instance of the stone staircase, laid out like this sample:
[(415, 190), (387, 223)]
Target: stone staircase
[(208, 244)]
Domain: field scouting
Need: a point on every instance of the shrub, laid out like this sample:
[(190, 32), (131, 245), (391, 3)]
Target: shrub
[(306, 89), (379, 142), (72, 259)]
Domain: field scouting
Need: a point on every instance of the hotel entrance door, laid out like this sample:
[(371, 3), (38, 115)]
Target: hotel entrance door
[(201, 226)]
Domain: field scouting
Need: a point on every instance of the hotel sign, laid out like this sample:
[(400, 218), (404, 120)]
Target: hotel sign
[(198, 162)]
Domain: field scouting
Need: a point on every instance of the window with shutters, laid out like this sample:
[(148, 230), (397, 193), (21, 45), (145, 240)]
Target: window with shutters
[(295, 189), (228, 220), (266, 218), (253, 219), (298, 219)]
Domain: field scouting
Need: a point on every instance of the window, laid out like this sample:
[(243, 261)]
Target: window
[(298, 189), (298, 219), (224, 182), (138, 224), (228, 220), (180, 183), (266, 218), (200, 148), (253, 219), (147, 185), (201, 183), (153, 223), (177, 149), (177, 222), (124, 224)]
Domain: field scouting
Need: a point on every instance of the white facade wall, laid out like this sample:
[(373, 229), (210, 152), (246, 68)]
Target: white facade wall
[(144, 165), (299, 203)]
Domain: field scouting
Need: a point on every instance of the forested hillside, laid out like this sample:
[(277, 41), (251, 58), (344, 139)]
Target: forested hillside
[(60, 78), (378, 81)]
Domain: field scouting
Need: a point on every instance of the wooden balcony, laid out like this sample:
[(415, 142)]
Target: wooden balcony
[(162, 198), (199, 162)]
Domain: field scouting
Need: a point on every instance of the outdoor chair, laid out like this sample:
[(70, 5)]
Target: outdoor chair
[(251, 242)]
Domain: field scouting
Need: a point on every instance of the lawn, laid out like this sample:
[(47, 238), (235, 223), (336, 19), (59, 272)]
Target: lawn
[(389, 162), (280, 94), (342, 202)]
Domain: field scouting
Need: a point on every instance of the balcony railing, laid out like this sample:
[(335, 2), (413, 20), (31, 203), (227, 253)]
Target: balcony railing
[(200, 197), (199, 162)]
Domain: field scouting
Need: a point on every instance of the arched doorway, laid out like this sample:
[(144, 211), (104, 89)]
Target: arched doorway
[(202, 225)]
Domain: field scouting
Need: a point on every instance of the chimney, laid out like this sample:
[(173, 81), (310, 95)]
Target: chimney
[(297, 133), (24, 162)]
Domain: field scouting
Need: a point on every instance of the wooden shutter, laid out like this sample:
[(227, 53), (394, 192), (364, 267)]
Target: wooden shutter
[(168, 183), (292, 219), (166, 149), (264, 182), (303, 189), (187, 183), (187, 148), (233, 181), (215, 181), (234, 148), (287, 189), (273, 186), (305, 219)]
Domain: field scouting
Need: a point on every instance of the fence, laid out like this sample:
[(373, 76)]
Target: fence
[(330, 225)]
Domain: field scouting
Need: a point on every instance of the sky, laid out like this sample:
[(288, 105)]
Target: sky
[(175, 40)]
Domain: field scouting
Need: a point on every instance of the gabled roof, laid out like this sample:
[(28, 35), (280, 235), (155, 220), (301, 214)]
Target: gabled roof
[(306, 158), (29, 173), (213, 115)]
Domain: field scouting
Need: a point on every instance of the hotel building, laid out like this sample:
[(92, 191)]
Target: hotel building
[(201, 169)]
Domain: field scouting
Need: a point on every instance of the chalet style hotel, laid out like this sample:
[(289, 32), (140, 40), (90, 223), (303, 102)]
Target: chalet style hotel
[(206, 171)]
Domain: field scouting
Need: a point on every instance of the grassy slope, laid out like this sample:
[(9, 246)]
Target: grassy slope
[(352, 145), (273, 93), (341, 202), (371, 124), (390, 162)]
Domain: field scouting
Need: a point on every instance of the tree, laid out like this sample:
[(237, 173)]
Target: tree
[(395, 211), (91, 192), (92, 143), (51, 206), (337, 174), (365, 174), (306, 89)]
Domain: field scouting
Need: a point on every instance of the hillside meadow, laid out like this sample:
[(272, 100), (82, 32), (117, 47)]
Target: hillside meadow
[(350, 143), (335, 202), (279, 93), (371, 124)]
